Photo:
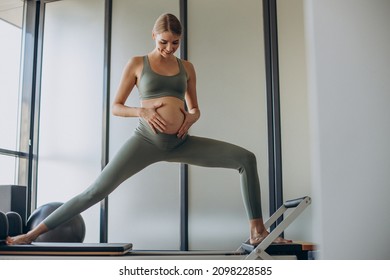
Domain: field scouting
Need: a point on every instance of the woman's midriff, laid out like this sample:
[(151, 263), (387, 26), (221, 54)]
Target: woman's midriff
[(170, 111)]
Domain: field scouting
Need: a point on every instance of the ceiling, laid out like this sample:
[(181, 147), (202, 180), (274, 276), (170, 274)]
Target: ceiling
[(11, 11)]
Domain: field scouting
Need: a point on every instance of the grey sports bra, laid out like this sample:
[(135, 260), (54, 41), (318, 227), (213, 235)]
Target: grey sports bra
[(153, 85)]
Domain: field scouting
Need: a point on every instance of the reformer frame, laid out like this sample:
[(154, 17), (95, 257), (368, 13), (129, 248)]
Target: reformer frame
[(297, 206), (266, 250)]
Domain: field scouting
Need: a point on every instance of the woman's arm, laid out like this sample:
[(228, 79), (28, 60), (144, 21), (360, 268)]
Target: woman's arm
[(193, 113), (126, 85), (130, 75)]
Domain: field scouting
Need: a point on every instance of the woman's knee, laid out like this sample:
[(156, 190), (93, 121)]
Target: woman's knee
[(247, 160), (94, 194)]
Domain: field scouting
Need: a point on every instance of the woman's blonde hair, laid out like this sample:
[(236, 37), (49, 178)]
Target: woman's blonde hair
[(167, 23)]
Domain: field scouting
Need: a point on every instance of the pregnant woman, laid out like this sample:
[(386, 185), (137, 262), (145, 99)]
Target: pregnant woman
[(168, 108)]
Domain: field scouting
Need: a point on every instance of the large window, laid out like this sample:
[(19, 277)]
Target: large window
[(51, 68), (11, 15), (71, 103)]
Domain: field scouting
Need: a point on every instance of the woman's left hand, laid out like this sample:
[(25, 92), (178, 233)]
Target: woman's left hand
[(189, 120)]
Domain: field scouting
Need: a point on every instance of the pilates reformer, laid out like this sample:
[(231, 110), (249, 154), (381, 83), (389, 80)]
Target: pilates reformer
[(266, 248), (263, 251)]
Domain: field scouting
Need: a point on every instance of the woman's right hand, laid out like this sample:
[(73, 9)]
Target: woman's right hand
[(155, 121)]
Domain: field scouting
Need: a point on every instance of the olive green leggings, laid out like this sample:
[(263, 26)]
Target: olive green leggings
[(145, 148)]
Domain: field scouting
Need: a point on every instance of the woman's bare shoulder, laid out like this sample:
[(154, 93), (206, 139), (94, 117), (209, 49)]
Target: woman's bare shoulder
[(189, 67), (187, 63), (136, 61), (134, 65)]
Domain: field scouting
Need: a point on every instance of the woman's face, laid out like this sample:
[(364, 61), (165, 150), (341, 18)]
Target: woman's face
[(166, 43)]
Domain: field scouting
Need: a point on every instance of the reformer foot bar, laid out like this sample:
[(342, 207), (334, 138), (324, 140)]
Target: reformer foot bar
[(266, 248)]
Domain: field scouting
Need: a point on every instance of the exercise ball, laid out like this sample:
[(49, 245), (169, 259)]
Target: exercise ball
[(70, 231)]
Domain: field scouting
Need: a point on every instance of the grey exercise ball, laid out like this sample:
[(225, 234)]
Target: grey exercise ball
[(71, 231)]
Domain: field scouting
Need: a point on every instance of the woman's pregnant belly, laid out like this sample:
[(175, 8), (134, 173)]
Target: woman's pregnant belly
[(170, 111)]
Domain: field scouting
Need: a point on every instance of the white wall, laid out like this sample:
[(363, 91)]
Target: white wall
[(349, 70)]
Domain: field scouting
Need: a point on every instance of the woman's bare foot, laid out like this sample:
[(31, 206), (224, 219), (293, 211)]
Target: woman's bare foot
[(258, 233), (29, 237), (19, 240), (256, 240)]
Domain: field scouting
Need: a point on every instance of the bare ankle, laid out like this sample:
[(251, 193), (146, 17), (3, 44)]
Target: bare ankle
[(37, 231), (30, 237), (257, 228)]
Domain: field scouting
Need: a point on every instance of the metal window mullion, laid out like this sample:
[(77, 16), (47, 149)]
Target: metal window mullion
[(31, 82), (106, 114), (273, 105), (184, 167), (12, 153)]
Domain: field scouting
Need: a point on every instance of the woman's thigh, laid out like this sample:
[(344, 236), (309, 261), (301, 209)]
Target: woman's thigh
[(134, 155), (210, 153)]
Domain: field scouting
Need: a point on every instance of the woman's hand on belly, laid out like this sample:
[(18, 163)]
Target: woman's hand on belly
[(189, 120), (153, 118), (164, 114)]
